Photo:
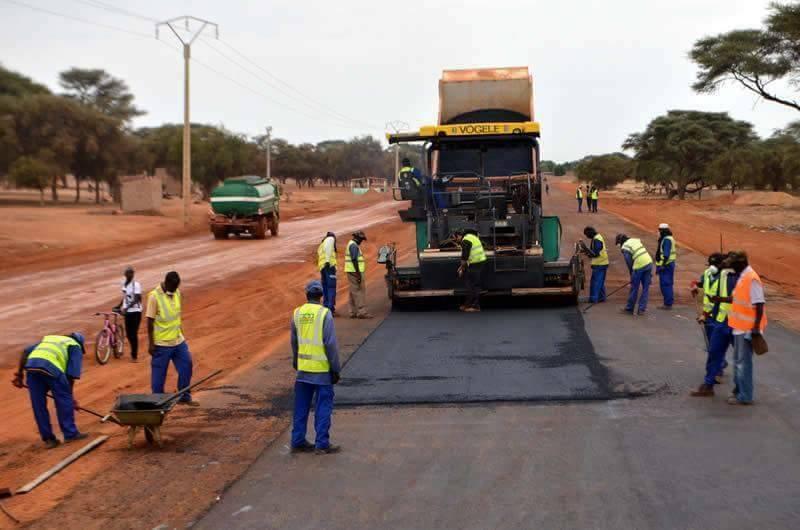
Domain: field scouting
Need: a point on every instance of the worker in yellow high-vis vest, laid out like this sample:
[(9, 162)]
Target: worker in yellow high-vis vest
[(473, 256), (356, 269), (326, 263), (598, 254), (315, 356), (640, 267), (52, 365), (167, 343)]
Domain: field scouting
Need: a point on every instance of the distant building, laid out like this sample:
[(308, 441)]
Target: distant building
[(141, 193), (170, 183)]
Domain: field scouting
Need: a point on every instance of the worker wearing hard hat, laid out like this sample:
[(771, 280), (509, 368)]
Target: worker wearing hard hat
[(666, 255), (326, 262), (598, 253), (640, 267), (52, 365), (355, 267), (315, 356)]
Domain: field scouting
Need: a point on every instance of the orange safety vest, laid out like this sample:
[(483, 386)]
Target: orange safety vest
[(742, 314)]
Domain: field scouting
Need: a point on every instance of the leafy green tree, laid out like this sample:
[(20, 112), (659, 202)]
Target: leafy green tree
[(677, 148), (605, 171), (31, 172), (15, 84), (753, 58), (98, 89), (735, 168)]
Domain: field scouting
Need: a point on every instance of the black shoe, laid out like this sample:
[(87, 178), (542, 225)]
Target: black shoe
[(331, 449), (52, 444), (305, 447), (81, 436)]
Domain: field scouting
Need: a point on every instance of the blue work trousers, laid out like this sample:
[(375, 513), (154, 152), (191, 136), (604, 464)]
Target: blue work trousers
[(328, 280), (718, 343), (580, 205), (743, 368), (640, 278), (38, 386), (303, 396), (597, 284), (666, 280), (181, 358)]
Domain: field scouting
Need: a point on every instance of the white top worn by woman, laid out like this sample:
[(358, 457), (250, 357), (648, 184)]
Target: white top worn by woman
[(128, 301)]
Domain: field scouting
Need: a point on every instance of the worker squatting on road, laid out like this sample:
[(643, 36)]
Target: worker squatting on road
[(640, 267), (326, 262), (473, 257), (666, 257), (131, 308), (53, 364), (355, 267), (598, 253), (165, 332), (315, 356)]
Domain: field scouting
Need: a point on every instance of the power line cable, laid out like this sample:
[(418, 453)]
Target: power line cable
[(117, 10), (77, 19)]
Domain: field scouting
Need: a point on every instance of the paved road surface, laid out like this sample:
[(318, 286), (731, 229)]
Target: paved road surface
[(661, 461), (26, 299)]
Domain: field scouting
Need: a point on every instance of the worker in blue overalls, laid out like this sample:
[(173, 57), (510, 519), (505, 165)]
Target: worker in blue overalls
[(666, 255), (598, 253), (52, 365)]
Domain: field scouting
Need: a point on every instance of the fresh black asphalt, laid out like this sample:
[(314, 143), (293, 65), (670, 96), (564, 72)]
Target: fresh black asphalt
[(497, 355)]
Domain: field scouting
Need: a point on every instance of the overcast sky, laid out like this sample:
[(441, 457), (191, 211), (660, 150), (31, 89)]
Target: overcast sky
[(601, 69)]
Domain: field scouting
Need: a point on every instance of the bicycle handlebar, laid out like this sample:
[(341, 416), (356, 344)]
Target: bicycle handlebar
[(108, 314)]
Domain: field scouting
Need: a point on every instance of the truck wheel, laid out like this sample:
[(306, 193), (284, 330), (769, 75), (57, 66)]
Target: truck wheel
[(220, 232), (273, 227), (261, 229)]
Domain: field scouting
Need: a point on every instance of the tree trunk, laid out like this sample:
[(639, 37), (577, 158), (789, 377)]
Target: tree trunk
[(41, 196), (54, 189), (97, 191), (77, 189)]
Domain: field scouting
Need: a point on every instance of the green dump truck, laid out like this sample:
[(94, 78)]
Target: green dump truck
[(245, 205)]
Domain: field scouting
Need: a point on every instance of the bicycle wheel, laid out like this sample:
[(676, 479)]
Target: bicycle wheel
[(119, 341), (102, 346)]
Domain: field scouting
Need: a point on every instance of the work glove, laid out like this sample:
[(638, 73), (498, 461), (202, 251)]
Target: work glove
[(335, 377), (17, 381)]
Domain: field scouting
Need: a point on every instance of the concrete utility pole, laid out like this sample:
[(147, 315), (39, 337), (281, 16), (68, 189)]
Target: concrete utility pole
[(396, 127), (186, 188), (269, 152)]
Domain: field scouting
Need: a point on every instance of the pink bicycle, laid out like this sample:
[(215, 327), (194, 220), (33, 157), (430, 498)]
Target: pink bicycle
[(110, 339)]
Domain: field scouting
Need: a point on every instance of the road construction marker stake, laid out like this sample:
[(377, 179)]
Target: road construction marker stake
[(61, 465)]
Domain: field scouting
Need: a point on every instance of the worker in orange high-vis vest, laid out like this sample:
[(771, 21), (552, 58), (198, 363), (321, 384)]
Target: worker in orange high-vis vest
[(747, 317)]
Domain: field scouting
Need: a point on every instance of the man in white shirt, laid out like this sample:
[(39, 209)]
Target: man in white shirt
[(131, 307)]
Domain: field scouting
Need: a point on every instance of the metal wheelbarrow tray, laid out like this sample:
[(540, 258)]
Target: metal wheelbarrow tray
[(139, 411)]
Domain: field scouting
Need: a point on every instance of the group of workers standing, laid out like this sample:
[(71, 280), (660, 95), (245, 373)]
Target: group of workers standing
[(592, 196)]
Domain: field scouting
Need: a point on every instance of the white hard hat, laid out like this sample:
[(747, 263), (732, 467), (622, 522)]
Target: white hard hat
[(663, 226)]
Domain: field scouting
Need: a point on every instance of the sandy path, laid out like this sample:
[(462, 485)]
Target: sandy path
[(54, 299)]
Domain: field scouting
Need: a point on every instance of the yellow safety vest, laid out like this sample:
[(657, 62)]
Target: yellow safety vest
[(167, 324), (476, 252), (410, 172), (673, 252), (602, 258), (348, 260), (323, 257), (722, 314), (54, 349), (308, 321), (579, 193), (709, 286), (641, 258), (595, 194)]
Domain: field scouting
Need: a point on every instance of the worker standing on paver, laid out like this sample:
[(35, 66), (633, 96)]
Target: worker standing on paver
[(131, 307), (718, 285), (579, 197), (666, 255), (595, 195), (355, 267), (598, 253), (640, 267), (747, 319), (473, 257), (326, 261), (165, 333), (53, 365), (315, 357)]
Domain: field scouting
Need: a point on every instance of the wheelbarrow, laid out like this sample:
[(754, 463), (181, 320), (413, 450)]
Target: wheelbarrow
[(147, 412)]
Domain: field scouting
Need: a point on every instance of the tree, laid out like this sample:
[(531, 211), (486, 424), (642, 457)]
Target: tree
[(678, 148), (735, 168), (99, 90), (753, 58), (15, 84), (605, 171), (30, 172)]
